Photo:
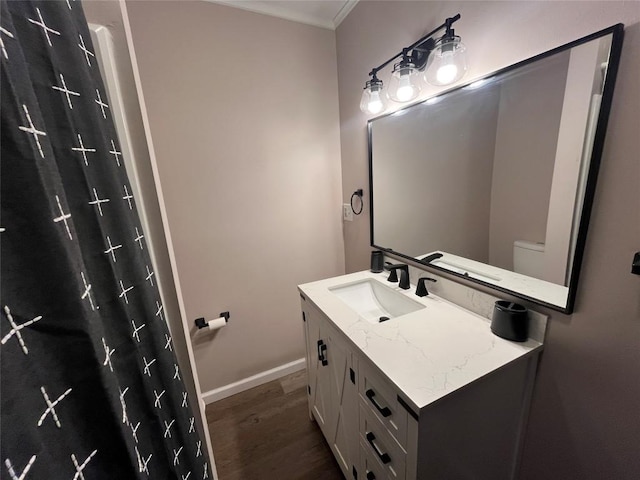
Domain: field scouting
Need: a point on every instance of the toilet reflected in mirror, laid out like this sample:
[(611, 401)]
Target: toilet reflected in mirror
[(528, 259)]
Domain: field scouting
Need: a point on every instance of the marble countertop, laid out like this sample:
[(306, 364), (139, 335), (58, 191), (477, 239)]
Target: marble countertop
[(427, 354)]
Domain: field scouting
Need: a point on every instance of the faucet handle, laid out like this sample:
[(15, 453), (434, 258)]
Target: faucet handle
[(393, 275), (404, 277), (421, 289)]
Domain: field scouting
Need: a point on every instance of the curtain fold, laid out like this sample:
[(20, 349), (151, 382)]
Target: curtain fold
[(90, 385)]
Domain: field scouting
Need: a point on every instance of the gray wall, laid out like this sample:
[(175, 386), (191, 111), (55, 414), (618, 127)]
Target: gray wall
[(420, 164), (523, 163), (584, 422), (243, 112)]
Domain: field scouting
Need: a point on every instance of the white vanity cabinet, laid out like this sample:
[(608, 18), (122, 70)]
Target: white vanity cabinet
[(357, 410), (368, 397)]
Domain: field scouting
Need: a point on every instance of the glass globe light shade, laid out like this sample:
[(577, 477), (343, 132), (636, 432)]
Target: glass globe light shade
[(374, 97), (404, 85), (447, 62)]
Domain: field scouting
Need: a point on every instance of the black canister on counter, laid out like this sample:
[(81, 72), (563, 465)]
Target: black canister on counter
[(510, 320), (377, 261)]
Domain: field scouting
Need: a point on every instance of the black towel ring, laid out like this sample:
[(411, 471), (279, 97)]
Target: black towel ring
[(358, 193)]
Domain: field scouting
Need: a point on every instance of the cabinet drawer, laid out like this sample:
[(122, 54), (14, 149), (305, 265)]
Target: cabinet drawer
[(380, 445), (378, 395), (372, 469)]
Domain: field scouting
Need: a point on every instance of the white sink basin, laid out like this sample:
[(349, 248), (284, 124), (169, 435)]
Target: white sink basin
[(372, 300)]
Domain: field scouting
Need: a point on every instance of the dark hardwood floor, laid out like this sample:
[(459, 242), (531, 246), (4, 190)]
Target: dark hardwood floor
[(265, 434)]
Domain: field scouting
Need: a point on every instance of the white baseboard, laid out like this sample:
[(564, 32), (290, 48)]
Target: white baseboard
[(253, 381)]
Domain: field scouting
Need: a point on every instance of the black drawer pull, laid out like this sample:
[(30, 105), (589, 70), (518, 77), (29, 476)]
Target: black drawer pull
[(322, 353), (384, 411), (371, 476), (384, 457)]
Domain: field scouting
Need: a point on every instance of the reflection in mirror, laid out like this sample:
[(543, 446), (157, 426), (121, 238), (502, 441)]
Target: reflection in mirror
[(498, 175)]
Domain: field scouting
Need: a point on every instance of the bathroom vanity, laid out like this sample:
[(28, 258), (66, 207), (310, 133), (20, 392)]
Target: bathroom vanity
[(429, 393)]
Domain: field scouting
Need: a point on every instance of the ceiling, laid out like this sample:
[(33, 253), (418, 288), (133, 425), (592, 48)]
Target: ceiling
[(320, 13)]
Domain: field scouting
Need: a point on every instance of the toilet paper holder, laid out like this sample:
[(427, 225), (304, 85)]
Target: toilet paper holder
[(202, 323)]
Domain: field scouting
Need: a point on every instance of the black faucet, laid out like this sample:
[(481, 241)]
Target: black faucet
[(421, 289), (635, 265), (404, 275), (430, 258)]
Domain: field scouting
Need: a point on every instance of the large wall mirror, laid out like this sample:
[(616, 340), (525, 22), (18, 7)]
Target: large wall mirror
[(493, 181)]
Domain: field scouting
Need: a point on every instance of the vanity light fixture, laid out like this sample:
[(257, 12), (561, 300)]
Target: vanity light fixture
[(443, 62)]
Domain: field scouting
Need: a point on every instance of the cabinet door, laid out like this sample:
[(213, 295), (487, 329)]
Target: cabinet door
[(318, 373), (333, 393), (343, 429)]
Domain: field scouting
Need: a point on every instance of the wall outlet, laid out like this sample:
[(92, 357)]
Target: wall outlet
[(347, 213)]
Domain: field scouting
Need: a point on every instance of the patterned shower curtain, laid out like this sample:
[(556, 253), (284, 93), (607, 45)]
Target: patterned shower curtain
[(90, 386)]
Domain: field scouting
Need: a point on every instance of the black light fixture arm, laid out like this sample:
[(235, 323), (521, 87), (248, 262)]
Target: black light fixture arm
[(420, 49)]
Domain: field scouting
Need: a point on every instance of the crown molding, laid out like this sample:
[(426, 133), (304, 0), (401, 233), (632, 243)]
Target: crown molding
[(274, 10)]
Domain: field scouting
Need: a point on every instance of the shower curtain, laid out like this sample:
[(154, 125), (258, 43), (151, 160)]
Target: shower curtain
[(90, 387)]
